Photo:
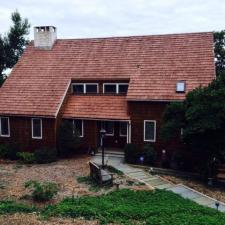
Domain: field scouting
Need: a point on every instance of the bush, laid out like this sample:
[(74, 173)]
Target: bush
[(149, 154), (131, 153), (45, 155), (26, 157), (42, 191), (8, 151)]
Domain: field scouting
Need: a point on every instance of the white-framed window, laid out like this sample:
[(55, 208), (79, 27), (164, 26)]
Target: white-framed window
[(150, 130), (123, 129), (78, 126), (180, 86), (4, 127), (115, 88), (109, 127), (36, 126), (85, 88)]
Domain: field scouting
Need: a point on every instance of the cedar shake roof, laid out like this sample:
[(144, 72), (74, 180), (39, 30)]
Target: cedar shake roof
[(96, 107), (153, 64)]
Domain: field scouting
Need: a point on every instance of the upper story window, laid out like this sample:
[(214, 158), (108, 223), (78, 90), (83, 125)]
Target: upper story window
[(180, 86), (115, 88), (4, 127), (36, 124), (84, 88)]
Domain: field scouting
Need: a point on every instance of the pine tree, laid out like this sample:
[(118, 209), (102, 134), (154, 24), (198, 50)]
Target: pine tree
[(13, 43)]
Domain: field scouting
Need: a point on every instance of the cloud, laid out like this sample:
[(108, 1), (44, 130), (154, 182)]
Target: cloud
[(101, 18)]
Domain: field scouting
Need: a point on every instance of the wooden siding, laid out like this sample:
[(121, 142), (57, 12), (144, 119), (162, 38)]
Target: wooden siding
[(21, 134)]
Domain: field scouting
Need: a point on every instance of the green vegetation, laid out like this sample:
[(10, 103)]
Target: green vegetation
[(131, 153), (93, 185), (112, 169), (26, 157), (42, 191), (202, 118), (8, 151), (128, 207), (12, 43), (45, 155), (9, 207)]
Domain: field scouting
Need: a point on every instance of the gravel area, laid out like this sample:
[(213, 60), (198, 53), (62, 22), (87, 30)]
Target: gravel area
[(214, 192)]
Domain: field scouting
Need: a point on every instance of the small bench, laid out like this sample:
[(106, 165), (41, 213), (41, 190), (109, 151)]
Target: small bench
[(100, 175)]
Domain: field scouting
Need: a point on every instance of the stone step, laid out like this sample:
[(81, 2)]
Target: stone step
[(164, 186)]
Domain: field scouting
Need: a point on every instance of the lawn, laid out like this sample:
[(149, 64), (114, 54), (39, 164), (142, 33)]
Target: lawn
[(129, 207)]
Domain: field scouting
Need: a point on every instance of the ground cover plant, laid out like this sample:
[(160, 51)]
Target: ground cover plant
[(132, 207), (127, 207)]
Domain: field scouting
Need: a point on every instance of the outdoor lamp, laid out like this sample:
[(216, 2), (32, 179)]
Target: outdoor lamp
[(102, 134)]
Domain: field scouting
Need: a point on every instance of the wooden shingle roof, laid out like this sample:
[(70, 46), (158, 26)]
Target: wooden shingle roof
[(153, 64), (97, 107)]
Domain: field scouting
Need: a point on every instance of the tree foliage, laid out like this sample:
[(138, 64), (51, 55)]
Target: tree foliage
[(202, 118), (219, 50), (13, 43)]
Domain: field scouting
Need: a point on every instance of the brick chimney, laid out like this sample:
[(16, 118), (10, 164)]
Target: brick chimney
[(44, 37)]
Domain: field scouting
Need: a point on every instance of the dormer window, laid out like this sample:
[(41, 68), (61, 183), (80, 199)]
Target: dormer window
[(115, 88), (84, 88), (180, 86)]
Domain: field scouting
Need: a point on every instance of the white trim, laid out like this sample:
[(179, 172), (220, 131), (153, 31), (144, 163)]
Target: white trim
[(153, 121), (123, 135), (4, 135), (84, 85), (129, 140), (64, 95), (117, 87), (36, 137), (95, 119)]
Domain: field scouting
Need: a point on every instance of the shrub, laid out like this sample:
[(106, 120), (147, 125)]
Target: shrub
[(68, 139), (42, 191), (149, 154), (45, 155), (26, 157), (8, 151), (131, 153)]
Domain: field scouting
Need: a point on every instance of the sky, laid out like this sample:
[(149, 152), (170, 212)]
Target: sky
[(107, 18)]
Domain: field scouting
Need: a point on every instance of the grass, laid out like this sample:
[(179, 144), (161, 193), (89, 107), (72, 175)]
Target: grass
[(112, 169), (129, 207)]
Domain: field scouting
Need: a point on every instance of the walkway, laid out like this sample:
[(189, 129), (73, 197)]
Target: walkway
[(160, 183)]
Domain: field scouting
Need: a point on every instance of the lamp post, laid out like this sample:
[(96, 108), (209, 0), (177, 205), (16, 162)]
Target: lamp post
[(102, 135)]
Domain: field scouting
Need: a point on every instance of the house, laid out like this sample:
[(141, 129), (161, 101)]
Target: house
[(122, 84)]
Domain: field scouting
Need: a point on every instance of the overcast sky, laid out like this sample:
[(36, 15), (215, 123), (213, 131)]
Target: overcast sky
[(103, 18)]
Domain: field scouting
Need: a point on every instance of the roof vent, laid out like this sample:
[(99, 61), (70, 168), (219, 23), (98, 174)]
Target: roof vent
[(181, 86), (44, 37)]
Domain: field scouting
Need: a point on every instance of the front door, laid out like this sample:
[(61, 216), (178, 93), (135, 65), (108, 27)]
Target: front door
[(116, 133)]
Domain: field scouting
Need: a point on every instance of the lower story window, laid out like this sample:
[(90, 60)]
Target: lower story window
[(123, 128), (150, 130), (36, 128), (78, 127), (4, 127), (109, 127)]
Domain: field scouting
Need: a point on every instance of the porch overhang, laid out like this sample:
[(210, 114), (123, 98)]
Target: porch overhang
[(97, 107)]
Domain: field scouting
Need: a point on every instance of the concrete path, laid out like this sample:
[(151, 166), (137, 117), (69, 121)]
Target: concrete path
[(156, 181)]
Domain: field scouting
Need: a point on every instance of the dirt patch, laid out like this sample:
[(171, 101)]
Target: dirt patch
[(33, 219), (213, 192), (64, 173)]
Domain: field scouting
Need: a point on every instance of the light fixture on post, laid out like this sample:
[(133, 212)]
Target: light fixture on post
[(102, 135)]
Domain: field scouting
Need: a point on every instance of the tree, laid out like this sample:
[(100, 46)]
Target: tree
[(13, 43), (219, 50), (202, 118)]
